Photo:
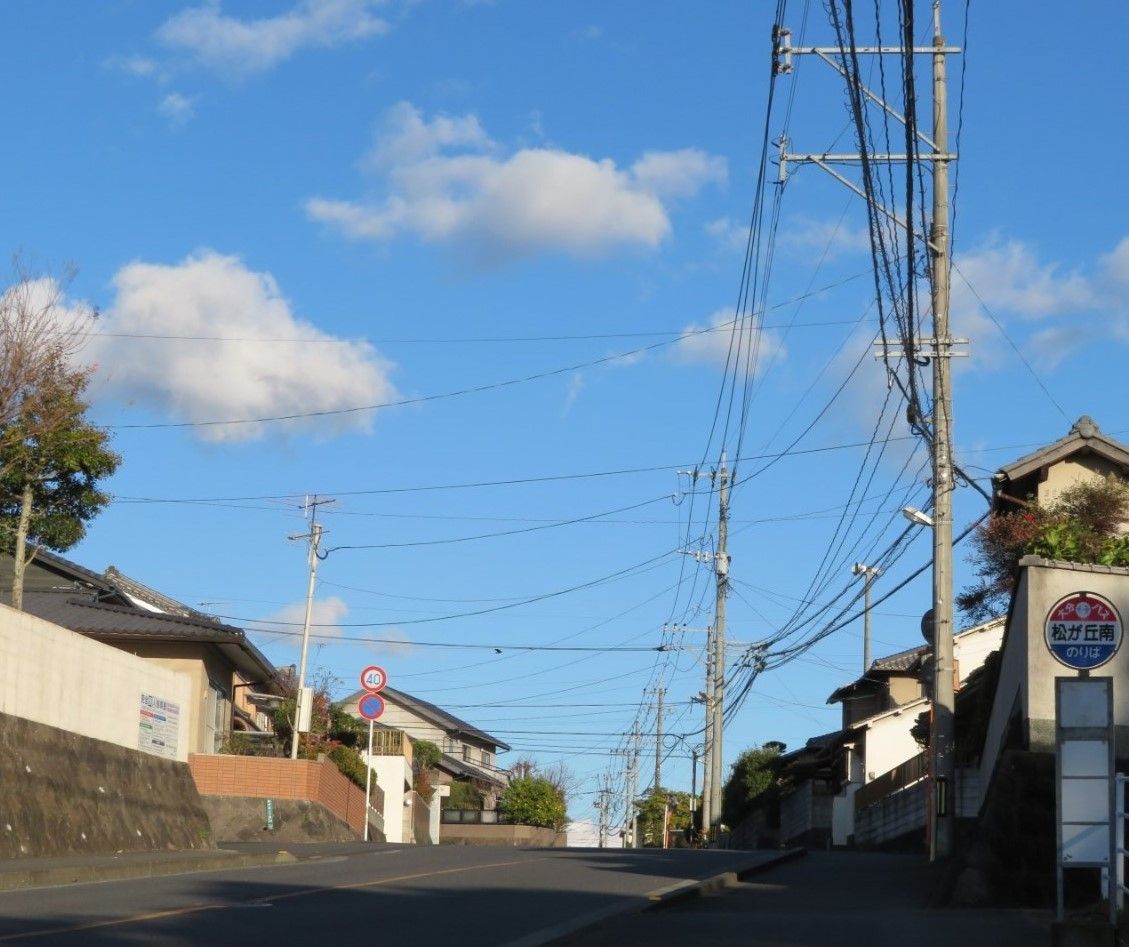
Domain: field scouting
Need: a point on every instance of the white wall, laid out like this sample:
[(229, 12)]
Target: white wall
[(888, 739), (394, 776), (62, 679), (971, 648)]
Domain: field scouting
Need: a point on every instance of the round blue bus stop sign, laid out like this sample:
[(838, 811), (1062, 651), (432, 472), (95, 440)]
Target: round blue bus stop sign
[(1083, 630)]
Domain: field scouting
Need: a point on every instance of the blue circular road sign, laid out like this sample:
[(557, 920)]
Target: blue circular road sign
[(371, 706)]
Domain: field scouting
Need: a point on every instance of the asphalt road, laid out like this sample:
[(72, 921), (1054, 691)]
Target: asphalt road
[(399, 895), (845, 899)]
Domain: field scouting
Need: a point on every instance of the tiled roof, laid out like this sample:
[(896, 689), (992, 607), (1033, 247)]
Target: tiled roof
[(98, 620), (150, 597), (1084, 435), (900, 662)]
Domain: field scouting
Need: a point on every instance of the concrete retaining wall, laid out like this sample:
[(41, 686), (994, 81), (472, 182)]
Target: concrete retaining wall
[(59, 678), (65, 794), (506, 836), (243, 819)]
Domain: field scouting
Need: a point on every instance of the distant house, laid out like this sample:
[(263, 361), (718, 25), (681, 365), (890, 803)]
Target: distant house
[(469, 754), (228, 673)]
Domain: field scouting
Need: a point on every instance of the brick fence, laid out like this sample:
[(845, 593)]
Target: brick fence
[(268, 778)]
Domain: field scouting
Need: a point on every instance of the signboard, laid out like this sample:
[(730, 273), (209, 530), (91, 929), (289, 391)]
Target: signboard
[(1083, 630), (370, 706), (374, 678), (159, 727)]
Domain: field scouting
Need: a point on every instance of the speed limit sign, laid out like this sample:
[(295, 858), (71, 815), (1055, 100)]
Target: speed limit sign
[(373, 678)]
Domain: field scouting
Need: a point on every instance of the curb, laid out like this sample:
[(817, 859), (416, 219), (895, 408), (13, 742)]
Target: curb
[(656, 900), (120, 871)]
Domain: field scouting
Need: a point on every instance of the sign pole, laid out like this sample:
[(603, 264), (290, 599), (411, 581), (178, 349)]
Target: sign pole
[(368, 778)]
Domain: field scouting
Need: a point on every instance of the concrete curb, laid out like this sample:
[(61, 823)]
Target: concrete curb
[(109, 870), (655, 900)]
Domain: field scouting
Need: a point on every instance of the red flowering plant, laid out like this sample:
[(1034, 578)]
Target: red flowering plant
[(1086, 523)]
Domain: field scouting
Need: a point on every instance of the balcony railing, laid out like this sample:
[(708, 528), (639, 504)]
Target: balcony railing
[(391, 743), (471, 817), (902, 775)]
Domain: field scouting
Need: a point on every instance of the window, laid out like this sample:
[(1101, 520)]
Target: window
[(217, 717)]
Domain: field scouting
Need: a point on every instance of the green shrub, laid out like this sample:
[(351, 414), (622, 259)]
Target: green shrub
[(349, 762), (463, 796), (534, 801)]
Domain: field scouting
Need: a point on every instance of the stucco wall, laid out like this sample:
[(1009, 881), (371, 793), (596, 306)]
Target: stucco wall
[(888, 740), (394, 776), (62, 679), (1067, 473), (512, 836)]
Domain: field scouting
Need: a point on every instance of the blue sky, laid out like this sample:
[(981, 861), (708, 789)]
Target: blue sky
[(513, 220)]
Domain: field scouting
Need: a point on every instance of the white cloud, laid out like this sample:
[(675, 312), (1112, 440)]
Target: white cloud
[(447, 182), (140, 66), (210, 295), (1008, 276), (678, 173), (177, 108), (1115, 268), (325, 617), (714, 342), (729, 234), (1048, 347), (238, 46)]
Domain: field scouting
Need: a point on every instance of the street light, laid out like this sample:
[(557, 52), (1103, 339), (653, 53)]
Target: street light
[(916, 517)]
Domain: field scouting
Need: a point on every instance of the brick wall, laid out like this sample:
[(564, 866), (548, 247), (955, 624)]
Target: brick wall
[(267, 778)]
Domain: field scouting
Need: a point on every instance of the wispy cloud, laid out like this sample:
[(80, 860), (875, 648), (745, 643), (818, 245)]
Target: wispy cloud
[(177, 108), (243, 46), (448, 182), (718, 343)]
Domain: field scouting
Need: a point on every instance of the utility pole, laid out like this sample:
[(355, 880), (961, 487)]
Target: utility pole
[(602, 807), (940, 349), (944, 768), (636, 743), (628, 798), (660, 693), (869, 574), (717, 704), (314, 539), (707, 758)]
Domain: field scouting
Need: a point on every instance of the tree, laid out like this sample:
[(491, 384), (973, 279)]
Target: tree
[(51, 462), (753, 783), (39, 337), (425, 756), (1084, 524), (651, 809), (533, 800)]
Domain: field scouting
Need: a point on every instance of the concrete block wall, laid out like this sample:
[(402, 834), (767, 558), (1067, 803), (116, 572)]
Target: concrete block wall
[(892, 817), (56, 677), (268, 778)]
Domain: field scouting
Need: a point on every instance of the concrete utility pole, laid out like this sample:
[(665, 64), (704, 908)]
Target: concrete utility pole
[(707, 755), (940, 349), (660, 693), (869, 574), (717, 704), (628, 798), (634, 813), (314, 539), (944, 768)]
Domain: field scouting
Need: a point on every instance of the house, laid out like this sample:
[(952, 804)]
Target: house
[(875, 753), (469, 754), (224, 667)]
